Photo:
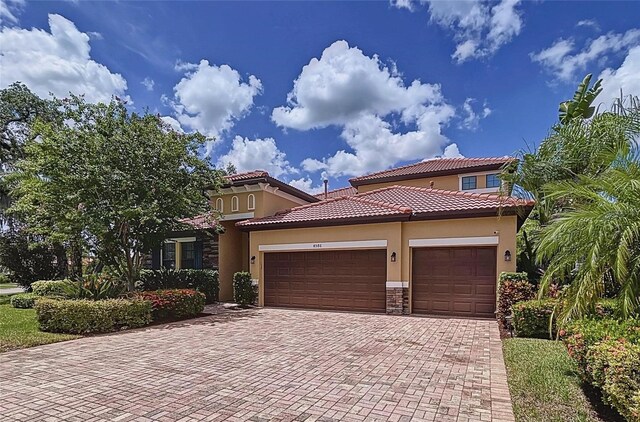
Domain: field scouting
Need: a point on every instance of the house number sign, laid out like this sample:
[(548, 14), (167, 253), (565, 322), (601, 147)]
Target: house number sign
[(317, 245)]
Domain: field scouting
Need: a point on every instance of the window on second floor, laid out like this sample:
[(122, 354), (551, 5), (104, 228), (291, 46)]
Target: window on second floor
[(169, 255), (493, 180), (251, 202), (219, 205), (235, 204), (469, 182)]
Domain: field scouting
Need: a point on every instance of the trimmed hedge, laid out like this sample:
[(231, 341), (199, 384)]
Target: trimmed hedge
[(50, 288), (614, 366), (513, 288), (244, 292), (174, 304), (88, 316), (531, 318), (578, 336), (23, 300), (204, 281)]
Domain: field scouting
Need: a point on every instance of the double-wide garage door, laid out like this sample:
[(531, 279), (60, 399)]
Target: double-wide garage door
[(350, 280), (454, 281)]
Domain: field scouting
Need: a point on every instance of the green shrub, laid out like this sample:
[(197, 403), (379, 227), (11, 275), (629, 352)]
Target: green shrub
[(531, 318), (94, 287), (174, 304), (513, 288), (87, 316), (614, 367), (4, 278), (23, 300), (244, 292), (204, 281), (50, 288), (578, 336)]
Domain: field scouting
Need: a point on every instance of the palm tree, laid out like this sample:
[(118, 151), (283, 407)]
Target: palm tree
[(580, 106), (595, 238)]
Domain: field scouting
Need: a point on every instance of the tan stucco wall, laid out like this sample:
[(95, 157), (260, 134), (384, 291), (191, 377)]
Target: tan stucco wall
[(451, 182), (397, 235), (230, 258)]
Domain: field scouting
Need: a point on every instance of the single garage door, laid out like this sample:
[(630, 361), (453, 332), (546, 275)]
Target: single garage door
[(454, 281), (349, 280)]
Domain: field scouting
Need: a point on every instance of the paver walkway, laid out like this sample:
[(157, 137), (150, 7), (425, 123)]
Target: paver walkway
[(266, 365)]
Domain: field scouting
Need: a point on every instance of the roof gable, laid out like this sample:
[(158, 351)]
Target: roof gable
[(430, 168)]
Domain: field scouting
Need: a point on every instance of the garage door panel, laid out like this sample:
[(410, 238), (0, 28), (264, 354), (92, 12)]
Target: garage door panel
[(339, 280), (454, 281)]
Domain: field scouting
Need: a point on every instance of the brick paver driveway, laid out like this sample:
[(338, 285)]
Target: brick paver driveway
[(266, 364)]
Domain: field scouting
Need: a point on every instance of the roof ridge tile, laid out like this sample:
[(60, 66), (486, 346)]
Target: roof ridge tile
[(395, 207)]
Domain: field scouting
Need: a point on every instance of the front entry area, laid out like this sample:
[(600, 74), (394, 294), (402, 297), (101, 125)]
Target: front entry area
[(343, 280), (458, 281)]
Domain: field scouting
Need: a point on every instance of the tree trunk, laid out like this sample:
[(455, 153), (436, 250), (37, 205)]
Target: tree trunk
[(75, 270), (61, 260)]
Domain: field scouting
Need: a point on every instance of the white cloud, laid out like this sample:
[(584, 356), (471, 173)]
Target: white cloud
[(348, 89), (452, 151), (57, 62), (625, 78), (564, 64), (173, 123), (9, 9), (211, 98), (305, 184), (472, 117), (343, 84), (148, 83), (258, 154), (590, 23), (480, 28)]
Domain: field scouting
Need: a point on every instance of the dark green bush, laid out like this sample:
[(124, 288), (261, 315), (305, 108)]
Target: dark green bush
[(244, 292), (204, 281), (174, 304), (513, 288), (614, 367), (23, 300), (87, 316), (578, 336), (531, 318), (4, 278), (56, 288)]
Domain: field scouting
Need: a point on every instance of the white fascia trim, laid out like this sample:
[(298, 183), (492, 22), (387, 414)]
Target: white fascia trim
[(240, 189), (237, 216), (396, 284), (180, 240), (455, 241), (277, 192), (483, 190), (357, 244)]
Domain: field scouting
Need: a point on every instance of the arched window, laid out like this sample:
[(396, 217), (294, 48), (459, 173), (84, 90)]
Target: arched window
[(235, 204), (219, 205), (251, 202)]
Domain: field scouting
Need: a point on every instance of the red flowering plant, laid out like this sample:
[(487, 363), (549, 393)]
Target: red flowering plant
[(174, 304)]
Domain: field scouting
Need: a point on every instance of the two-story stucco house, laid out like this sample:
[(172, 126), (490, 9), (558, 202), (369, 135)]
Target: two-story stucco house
[(427, 238)]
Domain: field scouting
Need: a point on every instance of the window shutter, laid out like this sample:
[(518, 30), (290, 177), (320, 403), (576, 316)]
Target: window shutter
[(155, 259), (197, 255)]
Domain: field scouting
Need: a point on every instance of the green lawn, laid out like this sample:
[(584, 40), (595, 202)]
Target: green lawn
[(543, 383), (19, 328)]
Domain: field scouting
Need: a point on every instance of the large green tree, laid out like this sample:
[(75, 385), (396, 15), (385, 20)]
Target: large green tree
[(110, 179)]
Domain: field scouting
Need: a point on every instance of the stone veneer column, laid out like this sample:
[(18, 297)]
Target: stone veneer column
[(397, 297)]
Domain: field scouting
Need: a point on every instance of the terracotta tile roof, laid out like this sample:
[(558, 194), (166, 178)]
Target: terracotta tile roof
[(336, 193), (432, 167), (426, 200), (246, 175), (331, 210), (200, 222), (393, 203)]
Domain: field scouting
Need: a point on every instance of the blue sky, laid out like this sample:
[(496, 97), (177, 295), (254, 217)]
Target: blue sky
[(391, 83)]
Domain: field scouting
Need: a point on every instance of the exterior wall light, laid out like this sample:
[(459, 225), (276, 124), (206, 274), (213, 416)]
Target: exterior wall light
[(507, 255), (253, 259), (393, 257)]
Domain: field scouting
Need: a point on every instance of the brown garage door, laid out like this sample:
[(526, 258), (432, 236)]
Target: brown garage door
[(454, 281), (338, 280)]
